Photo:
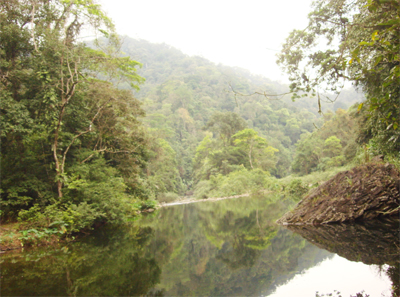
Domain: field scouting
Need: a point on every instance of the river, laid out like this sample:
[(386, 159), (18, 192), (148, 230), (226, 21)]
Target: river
[(223, 248)]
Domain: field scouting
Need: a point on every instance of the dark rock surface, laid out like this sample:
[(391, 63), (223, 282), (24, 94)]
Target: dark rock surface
[(371, 242), (362, 193)]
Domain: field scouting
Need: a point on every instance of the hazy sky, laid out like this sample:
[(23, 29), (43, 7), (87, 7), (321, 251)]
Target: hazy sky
[(247, 33)]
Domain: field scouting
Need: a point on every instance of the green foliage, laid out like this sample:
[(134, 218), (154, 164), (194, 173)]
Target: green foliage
[(71, 143), (224, 125), (237, 182), (167, 197), (330, 146), (203, 189), (84, 262), (73, 140), (229, 153), (69, 219), (162, 173), (363, 46), (145, 205), (296, 189), (249, 140), (182, 95), (33, 236)]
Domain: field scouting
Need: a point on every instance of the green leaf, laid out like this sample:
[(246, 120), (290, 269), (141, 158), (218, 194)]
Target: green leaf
[(105, 33), (390, 22), (378, 60), (366, 43)]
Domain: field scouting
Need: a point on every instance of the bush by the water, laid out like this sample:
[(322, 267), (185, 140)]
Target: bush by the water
[(235, 183), (146, 204), (297, 189), (167, 197)]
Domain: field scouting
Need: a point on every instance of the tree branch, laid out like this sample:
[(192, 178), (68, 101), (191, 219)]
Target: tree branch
[(258, 93), (33, 25), (84, 132)]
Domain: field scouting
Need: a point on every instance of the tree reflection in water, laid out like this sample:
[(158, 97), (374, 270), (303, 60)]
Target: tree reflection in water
[(111, 265), (228, 248)]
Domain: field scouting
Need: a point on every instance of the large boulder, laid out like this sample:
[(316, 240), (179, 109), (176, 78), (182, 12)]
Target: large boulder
[(362, 193)]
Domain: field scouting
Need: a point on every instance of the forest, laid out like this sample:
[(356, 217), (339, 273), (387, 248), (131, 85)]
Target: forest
[(98, 130)]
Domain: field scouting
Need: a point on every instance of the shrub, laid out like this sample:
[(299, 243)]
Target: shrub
[(203, 189), (167, 197), (235, 183), (296, 188), (146, 204)]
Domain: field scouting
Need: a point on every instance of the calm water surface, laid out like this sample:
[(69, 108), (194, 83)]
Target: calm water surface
[(224, 248)]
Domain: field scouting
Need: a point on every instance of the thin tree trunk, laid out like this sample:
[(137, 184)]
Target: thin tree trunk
[(251, 163)]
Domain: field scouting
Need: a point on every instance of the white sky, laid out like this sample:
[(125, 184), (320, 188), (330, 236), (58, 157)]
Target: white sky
[(247, 33)]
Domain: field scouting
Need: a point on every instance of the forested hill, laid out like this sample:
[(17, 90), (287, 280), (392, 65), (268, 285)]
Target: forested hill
[(86, 140), (184, 94)]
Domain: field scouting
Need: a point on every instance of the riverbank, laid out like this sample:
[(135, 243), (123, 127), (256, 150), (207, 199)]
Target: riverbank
[(194, 200), (14, 236), (9, 237)]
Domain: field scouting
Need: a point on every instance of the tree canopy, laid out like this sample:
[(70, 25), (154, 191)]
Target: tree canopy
[(71, 142), (362, 45)]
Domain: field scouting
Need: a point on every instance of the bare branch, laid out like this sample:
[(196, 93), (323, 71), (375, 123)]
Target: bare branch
[(33, 25), (82, 133), (265, 94), (91, 155), (107, 151), (120, 152), (66, 10)]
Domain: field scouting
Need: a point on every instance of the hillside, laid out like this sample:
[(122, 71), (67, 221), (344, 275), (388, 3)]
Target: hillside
[(181, 94)]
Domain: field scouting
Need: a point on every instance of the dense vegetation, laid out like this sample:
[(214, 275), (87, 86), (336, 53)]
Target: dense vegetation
[(362, 40), (219, 137), (330, 146), (228, 248), (82, 144), (72, 145), (77, 148), (219, 249)]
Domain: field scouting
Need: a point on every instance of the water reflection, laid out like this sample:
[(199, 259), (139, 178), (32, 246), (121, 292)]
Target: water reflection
[(229, 249), (224, 248), (373, 242), (112, 263)]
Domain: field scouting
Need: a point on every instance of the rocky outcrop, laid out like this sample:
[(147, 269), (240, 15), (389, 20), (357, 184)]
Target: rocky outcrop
[(362, 193)]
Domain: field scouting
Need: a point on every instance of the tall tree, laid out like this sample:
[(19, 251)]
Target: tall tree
[(225, 124), (63, 128), (249, 140)]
